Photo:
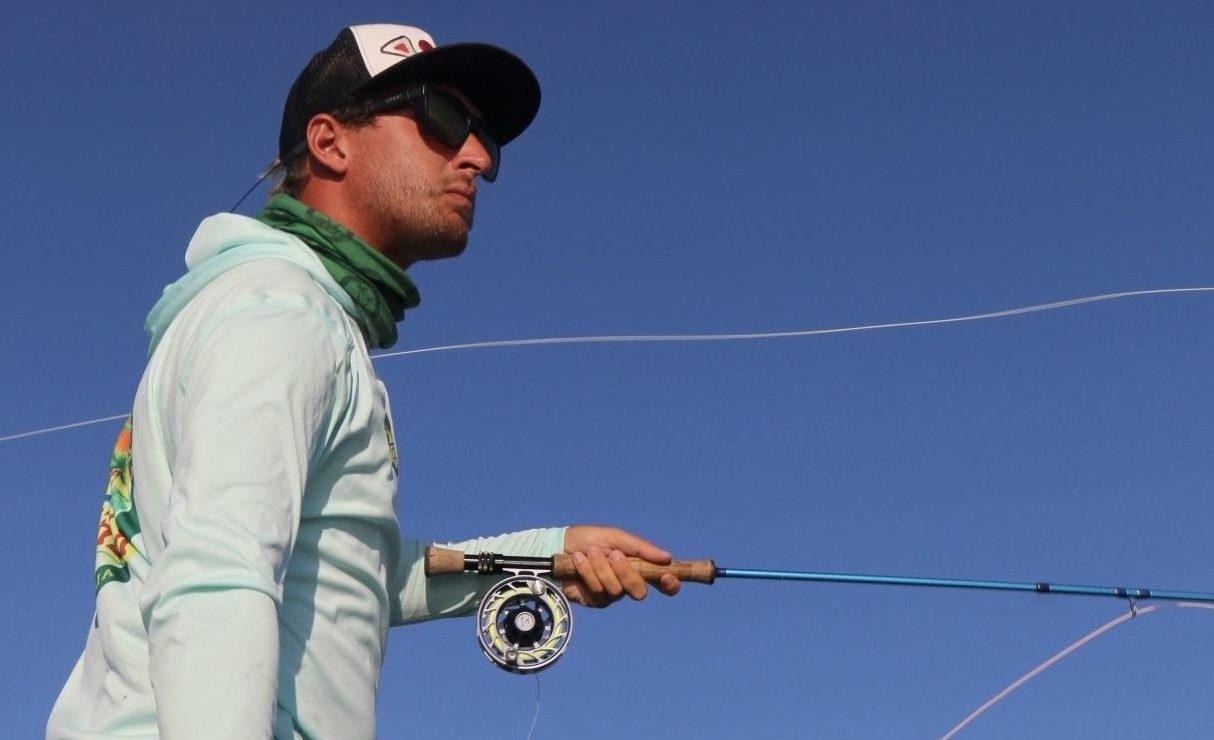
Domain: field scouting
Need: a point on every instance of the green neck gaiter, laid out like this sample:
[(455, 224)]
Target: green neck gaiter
[(375, 283)]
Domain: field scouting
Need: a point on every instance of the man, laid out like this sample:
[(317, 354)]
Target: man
[(249, 555)]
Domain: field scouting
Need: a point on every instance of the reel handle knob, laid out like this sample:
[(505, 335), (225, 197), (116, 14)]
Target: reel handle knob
[(695, 571)]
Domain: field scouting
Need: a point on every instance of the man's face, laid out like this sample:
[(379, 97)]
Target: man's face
[(418, 193)]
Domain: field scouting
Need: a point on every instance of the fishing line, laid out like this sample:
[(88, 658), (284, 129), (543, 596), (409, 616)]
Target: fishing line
[(1049, 662), (799, 333), (62, 427), (535, 717), (712, 338)]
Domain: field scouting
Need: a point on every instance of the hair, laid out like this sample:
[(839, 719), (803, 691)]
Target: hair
[(355, 112)]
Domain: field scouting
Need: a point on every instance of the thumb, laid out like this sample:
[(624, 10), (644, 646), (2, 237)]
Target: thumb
[(631, 544)]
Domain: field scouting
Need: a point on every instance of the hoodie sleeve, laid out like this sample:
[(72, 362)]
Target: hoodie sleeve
[(418, 598), (253, 393)]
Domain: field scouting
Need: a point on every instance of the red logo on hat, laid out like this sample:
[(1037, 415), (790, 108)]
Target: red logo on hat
[(401, 46)]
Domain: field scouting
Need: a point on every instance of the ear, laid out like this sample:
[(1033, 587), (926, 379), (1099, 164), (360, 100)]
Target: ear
[(328, 144)]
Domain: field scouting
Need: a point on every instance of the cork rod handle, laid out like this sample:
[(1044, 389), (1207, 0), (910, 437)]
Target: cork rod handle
[(442, 561), (694, 571)]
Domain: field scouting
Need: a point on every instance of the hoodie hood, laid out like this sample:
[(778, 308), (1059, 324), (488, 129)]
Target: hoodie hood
[(224, 241)]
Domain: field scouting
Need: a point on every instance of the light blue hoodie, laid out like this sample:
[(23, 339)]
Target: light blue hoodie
[(269, 563)]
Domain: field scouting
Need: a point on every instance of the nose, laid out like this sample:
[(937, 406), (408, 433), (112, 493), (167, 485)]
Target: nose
[(473, 156)]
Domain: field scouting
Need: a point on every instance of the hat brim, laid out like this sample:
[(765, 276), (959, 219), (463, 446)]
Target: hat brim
[(500, 84)]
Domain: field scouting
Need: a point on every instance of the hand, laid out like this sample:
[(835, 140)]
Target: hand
[(600, 555)]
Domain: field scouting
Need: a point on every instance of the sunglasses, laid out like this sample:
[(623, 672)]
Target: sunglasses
[(446, 119)]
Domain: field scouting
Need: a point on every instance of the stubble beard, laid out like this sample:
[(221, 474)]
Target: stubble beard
[(422, 225)]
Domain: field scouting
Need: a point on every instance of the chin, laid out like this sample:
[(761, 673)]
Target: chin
[(441, 240), (454, 251), (444, 249)]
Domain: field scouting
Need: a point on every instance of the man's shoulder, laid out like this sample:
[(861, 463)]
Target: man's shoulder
[(244, 271), (263, 280), (275, 293)]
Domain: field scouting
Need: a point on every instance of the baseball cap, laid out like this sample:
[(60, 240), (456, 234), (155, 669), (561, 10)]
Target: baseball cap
[(366, 57)]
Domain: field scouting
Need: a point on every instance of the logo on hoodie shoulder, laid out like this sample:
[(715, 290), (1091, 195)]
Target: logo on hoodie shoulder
[(392, 455)]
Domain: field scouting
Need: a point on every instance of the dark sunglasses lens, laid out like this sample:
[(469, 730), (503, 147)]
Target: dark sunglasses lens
[(450, 123), (446, 120)]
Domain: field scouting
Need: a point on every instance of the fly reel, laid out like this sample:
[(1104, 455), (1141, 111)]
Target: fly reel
[(524, 623)]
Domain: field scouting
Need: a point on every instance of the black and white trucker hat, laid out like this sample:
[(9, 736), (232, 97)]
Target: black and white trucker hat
[(364, 57)]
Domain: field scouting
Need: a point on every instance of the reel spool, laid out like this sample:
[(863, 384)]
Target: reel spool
[(524, 623)]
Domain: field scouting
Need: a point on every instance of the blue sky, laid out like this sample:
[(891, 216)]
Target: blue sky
[(700, 168)]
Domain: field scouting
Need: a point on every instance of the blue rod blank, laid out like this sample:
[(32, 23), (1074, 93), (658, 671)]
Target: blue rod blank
[(1038, 587)]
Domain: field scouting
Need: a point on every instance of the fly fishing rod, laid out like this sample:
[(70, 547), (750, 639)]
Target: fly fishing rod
[(524, 621)]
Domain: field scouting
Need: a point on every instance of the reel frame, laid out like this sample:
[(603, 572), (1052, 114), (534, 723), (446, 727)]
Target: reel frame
[(524, 623)]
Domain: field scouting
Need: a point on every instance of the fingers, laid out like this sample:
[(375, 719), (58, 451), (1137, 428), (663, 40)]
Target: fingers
[(631, 544), (607, 577), (592, 587), (669, 584), (630, 581), (601, 560), (583, 537)]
